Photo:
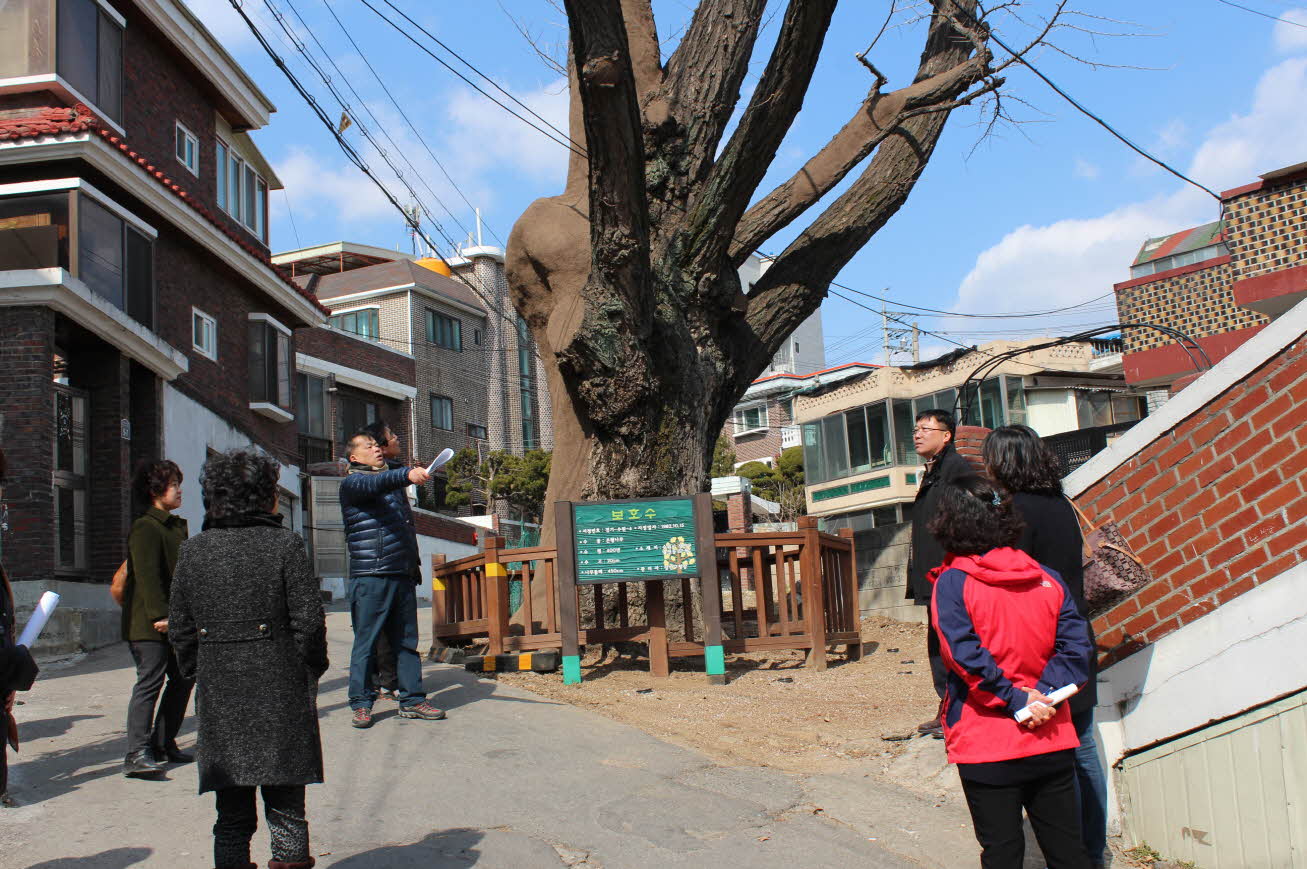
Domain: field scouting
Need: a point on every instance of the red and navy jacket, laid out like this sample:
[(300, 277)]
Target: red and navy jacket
[(1005, 623)]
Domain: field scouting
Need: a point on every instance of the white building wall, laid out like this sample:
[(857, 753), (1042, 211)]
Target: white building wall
[(1051, 411), (190, 430)]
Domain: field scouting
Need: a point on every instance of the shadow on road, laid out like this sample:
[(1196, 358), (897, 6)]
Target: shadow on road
[(48, 727), (443, 849), (117, 858), (58, 772)]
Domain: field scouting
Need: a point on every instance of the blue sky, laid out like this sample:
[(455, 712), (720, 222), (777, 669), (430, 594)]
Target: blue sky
[(1038, 216)]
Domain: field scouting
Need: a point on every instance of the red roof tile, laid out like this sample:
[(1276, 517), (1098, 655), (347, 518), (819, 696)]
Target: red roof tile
[(52, 121)]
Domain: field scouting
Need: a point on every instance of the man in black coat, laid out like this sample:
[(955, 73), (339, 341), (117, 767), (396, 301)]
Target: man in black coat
[(933, 440)]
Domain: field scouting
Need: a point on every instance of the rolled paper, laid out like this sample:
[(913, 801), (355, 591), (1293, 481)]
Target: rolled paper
[(40, 616), (445, 455), (1057, 697)]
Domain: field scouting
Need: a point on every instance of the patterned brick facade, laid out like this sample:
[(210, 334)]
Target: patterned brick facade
[(1197, 300), (1266, 226), (1213, 507)]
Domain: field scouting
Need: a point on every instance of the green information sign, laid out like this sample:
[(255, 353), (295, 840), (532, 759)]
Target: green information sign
[(623, 540)]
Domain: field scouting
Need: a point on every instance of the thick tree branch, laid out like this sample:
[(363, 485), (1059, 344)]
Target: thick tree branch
[(616, 322), (715, 208), (943, 73), (704, 75)]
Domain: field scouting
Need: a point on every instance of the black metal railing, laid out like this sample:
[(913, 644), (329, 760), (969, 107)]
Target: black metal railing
[(1075, 448)]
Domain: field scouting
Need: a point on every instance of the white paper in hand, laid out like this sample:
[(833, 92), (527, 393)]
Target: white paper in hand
[(40, 616), (1023, 715), (445, 455)]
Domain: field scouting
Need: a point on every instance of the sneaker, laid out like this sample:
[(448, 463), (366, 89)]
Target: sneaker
[(361, 718), (423, 710)]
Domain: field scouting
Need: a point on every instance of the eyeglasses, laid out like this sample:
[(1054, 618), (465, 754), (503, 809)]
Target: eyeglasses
[(922, 428)]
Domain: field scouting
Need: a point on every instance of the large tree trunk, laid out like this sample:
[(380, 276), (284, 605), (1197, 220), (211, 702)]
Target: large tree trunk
[(628, 279)]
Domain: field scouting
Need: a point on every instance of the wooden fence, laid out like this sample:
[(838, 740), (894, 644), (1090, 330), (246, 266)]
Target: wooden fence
[(787, 590)]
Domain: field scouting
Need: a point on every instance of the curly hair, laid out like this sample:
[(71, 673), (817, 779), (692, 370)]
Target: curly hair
[(238, 482), (975, 516), (152, 479), (1019, 461)]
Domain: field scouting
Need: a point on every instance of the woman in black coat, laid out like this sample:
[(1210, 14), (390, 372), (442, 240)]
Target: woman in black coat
[(246, 620), (1018, 460)]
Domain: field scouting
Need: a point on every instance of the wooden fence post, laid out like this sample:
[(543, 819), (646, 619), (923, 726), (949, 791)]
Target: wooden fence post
[(439, 601), (814, 599), (853, 651), (496, 596)]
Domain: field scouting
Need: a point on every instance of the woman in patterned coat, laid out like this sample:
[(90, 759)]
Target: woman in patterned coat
[(246, 620)]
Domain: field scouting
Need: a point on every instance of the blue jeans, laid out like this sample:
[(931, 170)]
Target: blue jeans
[(389, 604), (1091, 788)]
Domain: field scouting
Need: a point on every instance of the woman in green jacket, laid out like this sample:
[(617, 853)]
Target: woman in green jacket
[(151, 557)]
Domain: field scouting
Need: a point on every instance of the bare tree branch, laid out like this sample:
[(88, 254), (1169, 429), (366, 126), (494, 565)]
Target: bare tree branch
[(715, 207)]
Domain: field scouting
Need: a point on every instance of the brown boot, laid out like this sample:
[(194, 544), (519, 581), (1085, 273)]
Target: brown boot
[(303, 864)]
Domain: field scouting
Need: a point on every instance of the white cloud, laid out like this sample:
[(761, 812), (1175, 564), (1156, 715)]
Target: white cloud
[(319, 186), (1291, 38), (223, 22), (484, 137), (1073, 260)]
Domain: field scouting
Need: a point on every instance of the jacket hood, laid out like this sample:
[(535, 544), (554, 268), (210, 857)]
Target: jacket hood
[(995, 567)]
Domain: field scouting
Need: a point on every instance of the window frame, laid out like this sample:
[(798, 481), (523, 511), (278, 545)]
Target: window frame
[(374, 312), (210, 352), (485, 433), (432, 318), (245, 199), (282, 369), (182, 135), (434, 397), (739, 418)]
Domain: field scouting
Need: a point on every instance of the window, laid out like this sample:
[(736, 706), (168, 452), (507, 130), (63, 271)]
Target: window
[(188, 149), (444, 331), (115, 260), (242, 192), (364, 323), (476, 337), (204, 334), (352, 413), (442, 413), (750, 419), (311, 406), (526, 385), (477, 432), (89, 53), (270, 367)]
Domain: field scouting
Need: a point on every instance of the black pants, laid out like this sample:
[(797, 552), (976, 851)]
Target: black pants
[(938, 669), (1050, 801), (238, 818), (146, 726), (386, 676)]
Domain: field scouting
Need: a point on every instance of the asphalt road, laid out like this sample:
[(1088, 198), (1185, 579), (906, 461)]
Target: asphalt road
[(509, 780)]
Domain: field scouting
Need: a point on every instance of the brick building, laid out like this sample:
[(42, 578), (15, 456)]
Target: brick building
[(762, 425), (139, 311), (1203, 687), (1219, 283)]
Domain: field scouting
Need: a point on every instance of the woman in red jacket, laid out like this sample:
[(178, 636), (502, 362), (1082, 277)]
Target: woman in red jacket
[(1010, 635)]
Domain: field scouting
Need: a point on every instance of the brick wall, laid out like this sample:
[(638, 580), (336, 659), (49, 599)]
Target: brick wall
[(765, 444), (1213, 507), (370, 358), (160, 89), (26, 432), (1198, 300), (1265, 226)]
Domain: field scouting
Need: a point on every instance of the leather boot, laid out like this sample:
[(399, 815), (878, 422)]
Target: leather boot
[(303, 864), (139, 765)]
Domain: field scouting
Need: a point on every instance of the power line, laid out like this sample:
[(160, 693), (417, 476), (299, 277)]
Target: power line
[(1098, 120), (1263, 14), (403, 114), (566, 142)]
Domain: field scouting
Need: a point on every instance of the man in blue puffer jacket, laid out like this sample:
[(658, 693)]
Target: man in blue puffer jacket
[(384, 570)]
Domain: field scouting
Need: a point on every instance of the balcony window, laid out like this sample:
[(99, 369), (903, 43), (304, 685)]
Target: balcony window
[(81, 41), (364, 324), (75, 227), (242, 192), (444, 331), (26, 46), (352, 414), (270, 368)]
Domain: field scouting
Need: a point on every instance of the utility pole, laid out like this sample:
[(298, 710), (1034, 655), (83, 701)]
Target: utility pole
[(900, 339)]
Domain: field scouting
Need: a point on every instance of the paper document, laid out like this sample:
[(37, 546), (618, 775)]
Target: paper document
[(40, 616), (445, 455), (1057, 697)]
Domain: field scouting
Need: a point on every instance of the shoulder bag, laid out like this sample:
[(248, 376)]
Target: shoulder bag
[(1112, 571)]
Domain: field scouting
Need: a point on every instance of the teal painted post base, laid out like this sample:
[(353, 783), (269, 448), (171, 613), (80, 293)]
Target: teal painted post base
[(571, 669), (714, 658)]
